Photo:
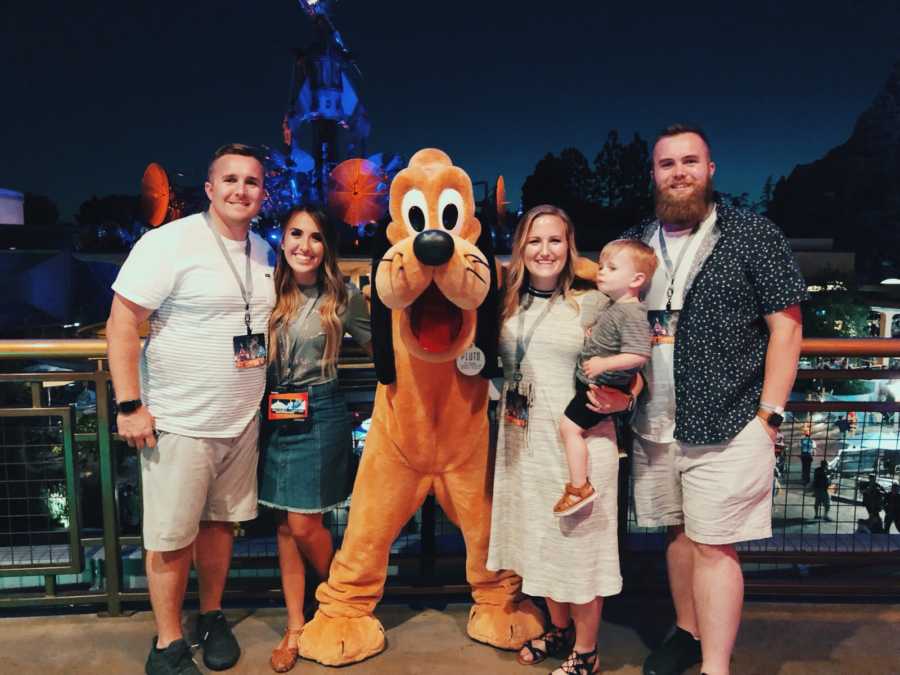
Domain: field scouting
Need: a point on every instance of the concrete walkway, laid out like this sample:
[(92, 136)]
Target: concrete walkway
[(786, 639)]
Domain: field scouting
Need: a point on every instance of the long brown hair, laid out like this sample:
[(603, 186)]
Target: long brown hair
[(517, 275), (289, 299)]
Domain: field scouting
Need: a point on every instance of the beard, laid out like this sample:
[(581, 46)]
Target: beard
[(687, 210)]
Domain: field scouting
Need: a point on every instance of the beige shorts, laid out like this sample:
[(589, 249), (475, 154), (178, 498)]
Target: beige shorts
[(187, 480), (722, 493)]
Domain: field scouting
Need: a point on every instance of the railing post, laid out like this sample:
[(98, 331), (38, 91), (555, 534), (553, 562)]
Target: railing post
[(111, 548)]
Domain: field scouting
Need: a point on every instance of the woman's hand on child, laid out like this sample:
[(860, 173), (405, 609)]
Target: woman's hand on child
[(607, 400), (593, 367)]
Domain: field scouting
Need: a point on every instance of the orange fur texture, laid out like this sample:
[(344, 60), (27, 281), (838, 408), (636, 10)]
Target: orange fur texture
[(429, 431)]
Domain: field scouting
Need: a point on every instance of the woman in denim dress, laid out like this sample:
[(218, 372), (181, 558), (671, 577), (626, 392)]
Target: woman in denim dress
[(306, 465)]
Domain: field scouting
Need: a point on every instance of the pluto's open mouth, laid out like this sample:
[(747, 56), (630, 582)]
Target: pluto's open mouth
[(435, 321)]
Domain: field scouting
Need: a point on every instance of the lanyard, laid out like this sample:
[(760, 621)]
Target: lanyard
[(522, 340), (308, 308), (246, 290), (670, 270)]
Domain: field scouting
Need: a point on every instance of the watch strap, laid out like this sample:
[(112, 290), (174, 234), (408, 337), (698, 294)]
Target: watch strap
[(772, 418), (129, 406), (771, 408)]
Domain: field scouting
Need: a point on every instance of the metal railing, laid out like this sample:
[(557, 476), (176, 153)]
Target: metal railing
[(69, 488)]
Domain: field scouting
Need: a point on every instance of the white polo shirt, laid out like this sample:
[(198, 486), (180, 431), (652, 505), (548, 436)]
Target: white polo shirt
[(188, 378)]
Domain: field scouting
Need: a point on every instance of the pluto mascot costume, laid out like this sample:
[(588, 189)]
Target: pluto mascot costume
[(435, 297)]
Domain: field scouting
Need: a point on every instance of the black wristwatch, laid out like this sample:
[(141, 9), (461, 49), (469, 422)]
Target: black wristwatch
[(770, 417), (128, 407)]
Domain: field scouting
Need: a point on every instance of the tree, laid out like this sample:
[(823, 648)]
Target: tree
[(829, 314), (765, 198), (579, 177), (608, 170), (835, 314), (602, 201), (109, 223), (108, 211), (40, 210), (741, 201), (636, 183), (547, 184)]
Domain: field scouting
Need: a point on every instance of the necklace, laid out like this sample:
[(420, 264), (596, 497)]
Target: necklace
[(539, 293)]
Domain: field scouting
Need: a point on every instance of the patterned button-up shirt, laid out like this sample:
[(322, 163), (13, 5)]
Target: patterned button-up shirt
[(746, 271)]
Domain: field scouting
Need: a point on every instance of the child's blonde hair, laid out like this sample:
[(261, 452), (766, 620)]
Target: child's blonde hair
[(642, 256)]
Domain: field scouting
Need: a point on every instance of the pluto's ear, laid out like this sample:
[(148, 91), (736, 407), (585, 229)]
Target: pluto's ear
[(486, 334), (382, 334), (586, 269)]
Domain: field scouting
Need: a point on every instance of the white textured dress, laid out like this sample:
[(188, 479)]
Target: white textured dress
[(574, 558)]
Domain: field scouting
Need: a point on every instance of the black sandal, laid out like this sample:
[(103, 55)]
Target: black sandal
[(557, 641), (581, 663)]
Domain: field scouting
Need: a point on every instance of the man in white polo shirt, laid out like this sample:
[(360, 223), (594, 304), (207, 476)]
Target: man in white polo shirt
[(189, 400)]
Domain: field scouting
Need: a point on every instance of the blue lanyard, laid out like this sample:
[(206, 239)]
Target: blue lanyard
[(670, 270)]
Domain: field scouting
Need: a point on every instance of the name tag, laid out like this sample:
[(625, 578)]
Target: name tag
[(249, 350), (288, 406), (663, 324), (518, 401)]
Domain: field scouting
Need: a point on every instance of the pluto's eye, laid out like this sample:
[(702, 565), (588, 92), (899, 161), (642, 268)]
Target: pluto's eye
[(450, 206), (416, 218), (415, 208)]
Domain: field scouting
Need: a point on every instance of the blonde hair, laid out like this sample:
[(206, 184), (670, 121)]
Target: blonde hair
[(288, 298), (643, 257), (517, 275)]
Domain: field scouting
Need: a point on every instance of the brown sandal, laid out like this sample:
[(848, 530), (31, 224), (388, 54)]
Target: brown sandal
[(557, 641), (574, 499), (285, 658)]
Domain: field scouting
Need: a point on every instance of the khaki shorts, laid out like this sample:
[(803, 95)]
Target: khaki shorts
[(722, 493), (186, 480)]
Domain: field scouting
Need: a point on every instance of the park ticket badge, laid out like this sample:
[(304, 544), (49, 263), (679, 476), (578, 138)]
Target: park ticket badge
[(517, 404), (249, 350), (288, 406), (663, 323)]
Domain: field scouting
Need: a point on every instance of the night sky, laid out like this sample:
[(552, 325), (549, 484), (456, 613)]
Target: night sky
[(93, 91)]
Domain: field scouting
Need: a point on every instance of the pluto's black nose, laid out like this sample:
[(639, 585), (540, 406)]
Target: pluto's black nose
[(433, 247)]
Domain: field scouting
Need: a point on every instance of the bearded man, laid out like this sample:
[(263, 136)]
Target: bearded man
[(727, 290)]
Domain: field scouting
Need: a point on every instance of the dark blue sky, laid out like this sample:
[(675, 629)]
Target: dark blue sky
[(93, 91)]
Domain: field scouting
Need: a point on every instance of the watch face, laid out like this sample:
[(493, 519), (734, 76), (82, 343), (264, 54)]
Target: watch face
[(775, 420)]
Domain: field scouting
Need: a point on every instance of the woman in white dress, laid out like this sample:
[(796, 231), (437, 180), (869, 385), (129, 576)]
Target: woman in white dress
[(571, 561)]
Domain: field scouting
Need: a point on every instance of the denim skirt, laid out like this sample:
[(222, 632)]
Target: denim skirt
[(308, 472)]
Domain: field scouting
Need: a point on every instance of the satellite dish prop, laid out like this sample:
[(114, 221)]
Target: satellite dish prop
[(163, 201), (501, 200), (358, 192), (156, 195)]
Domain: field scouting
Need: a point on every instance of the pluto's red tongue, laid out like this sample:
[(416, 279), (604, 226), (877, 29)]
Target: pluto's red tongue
[(436, 321)]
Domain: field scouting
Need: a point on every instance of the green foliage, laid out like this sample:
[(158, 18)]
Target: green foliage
[(835, 314)]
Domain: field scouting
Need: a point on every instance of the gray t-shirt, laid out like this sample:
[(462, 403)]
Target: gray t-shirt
[(621, 328), (302, 345)]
